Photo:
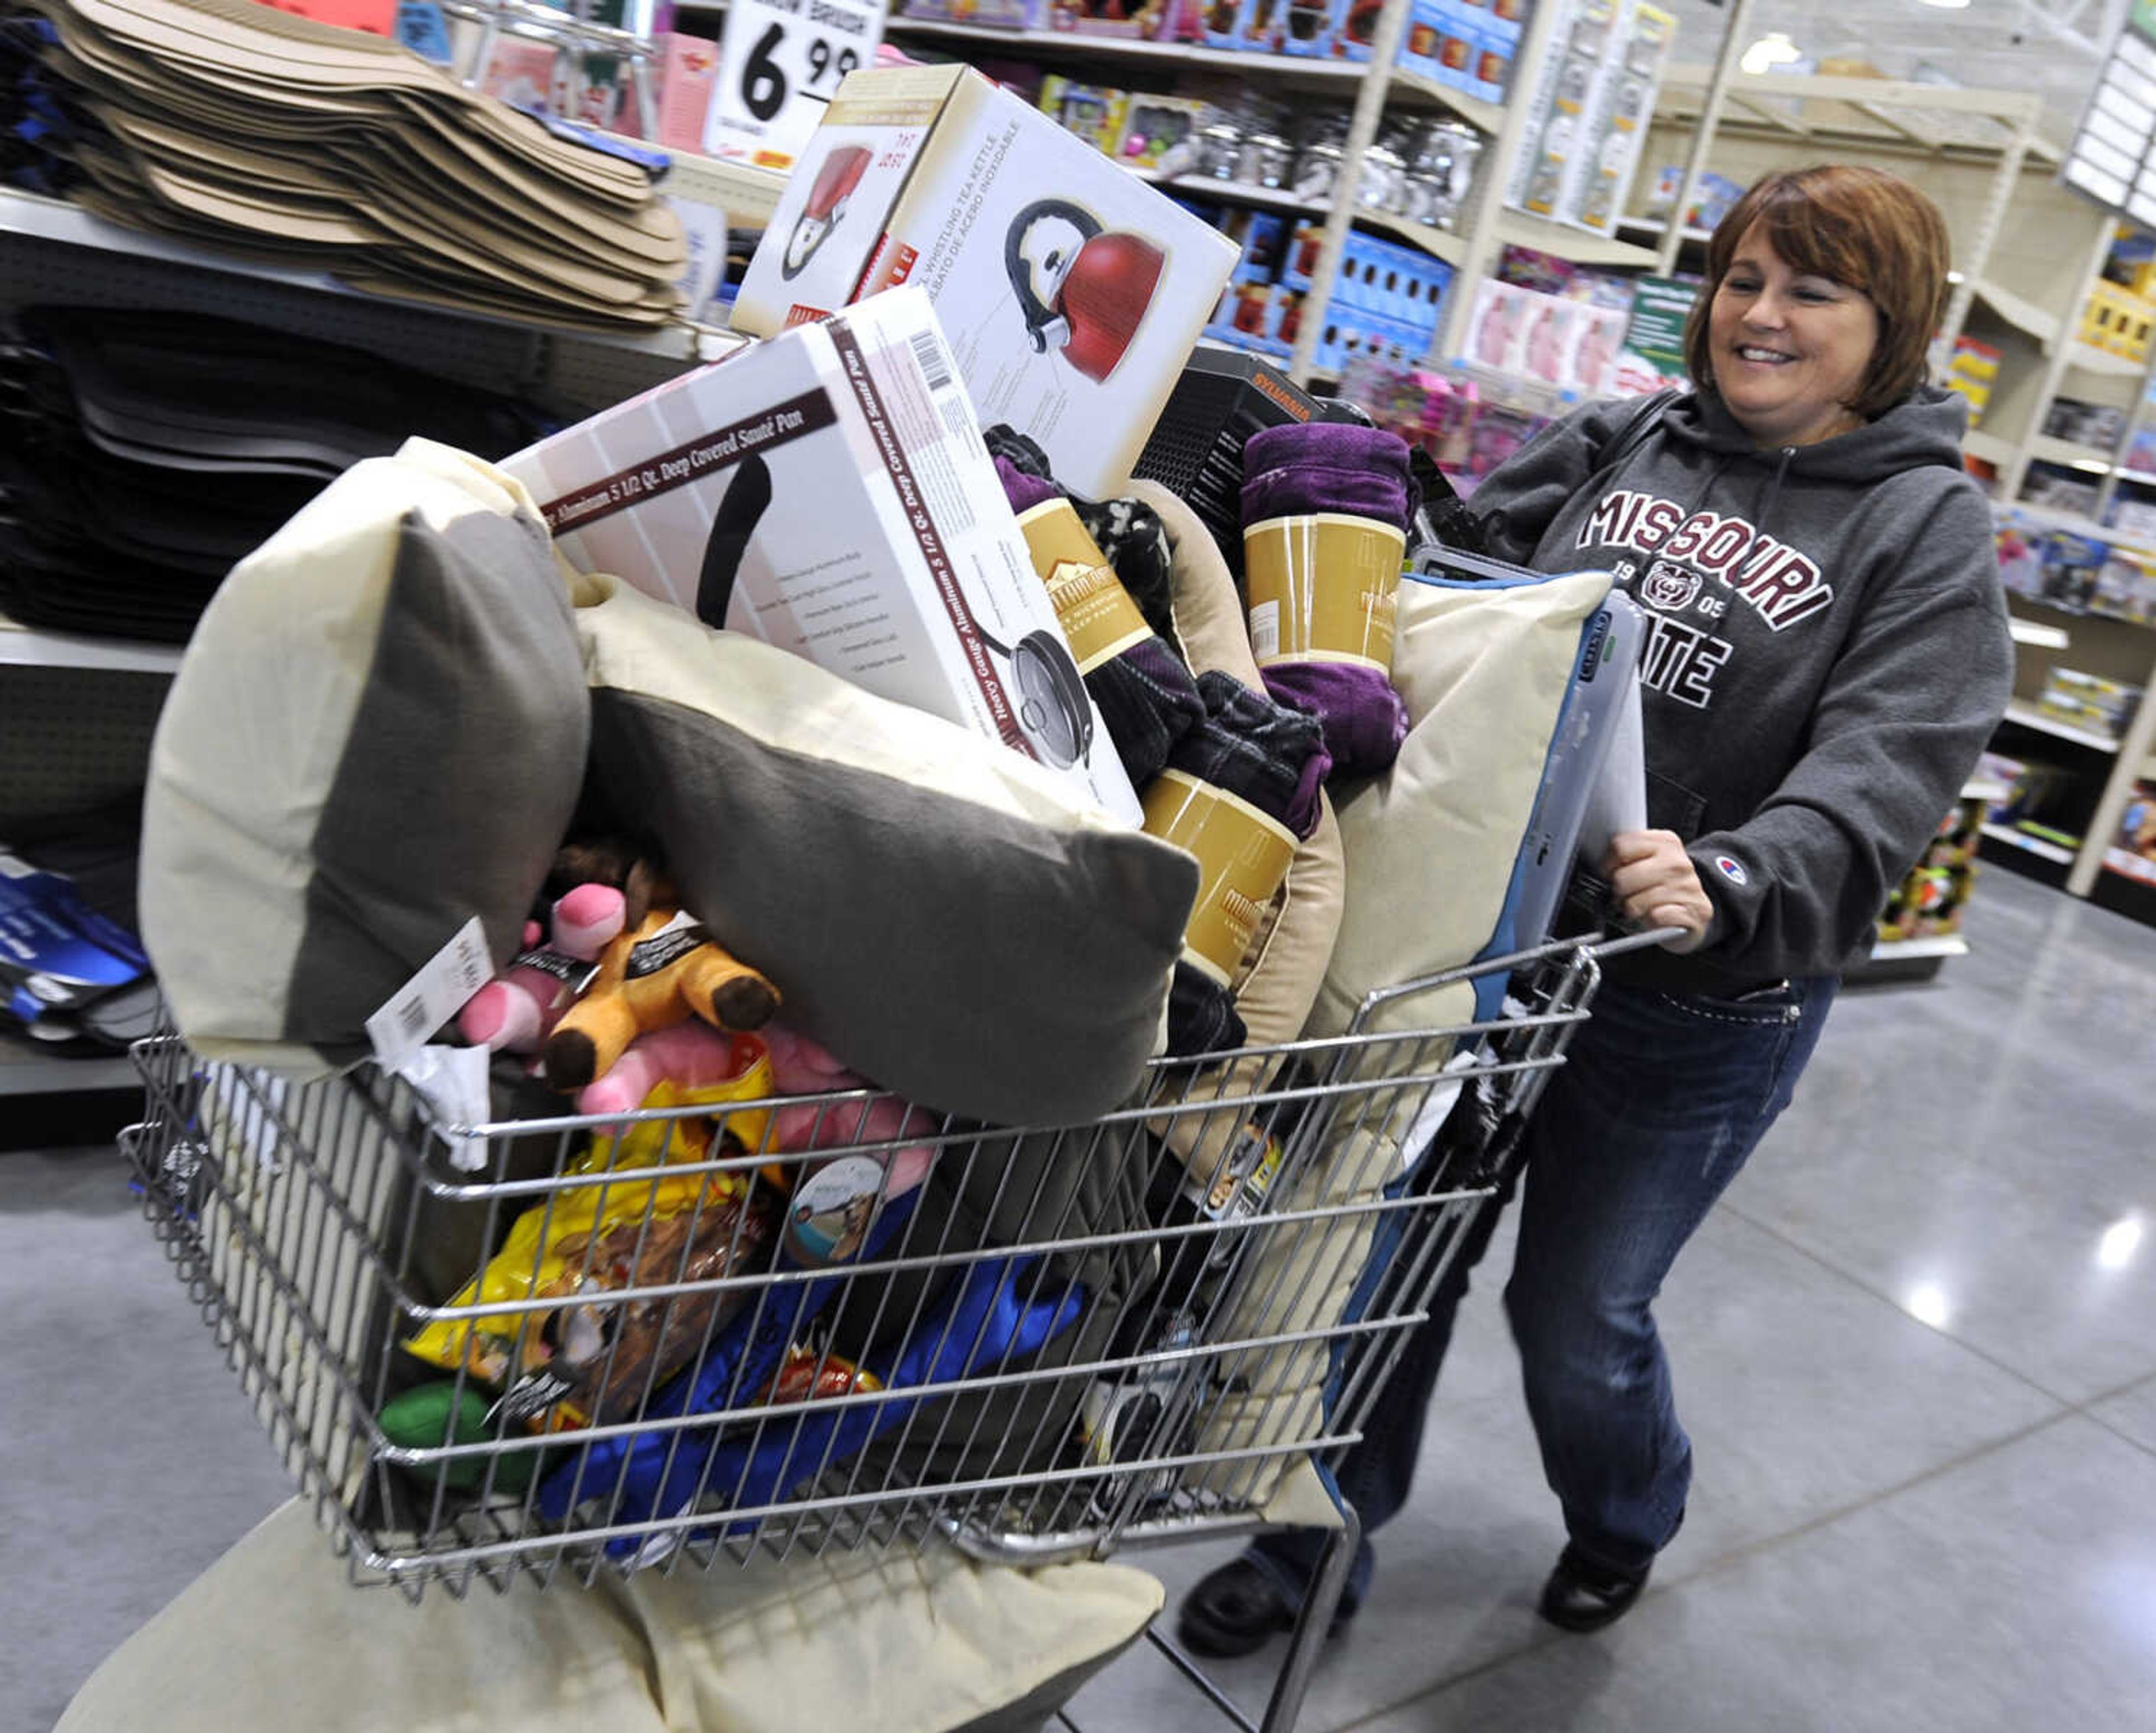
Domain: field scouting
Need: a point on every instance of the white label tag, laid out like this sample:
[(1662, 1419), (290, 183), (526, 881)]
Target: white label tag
[(1264, 630), (431, 997), (454, 1082), (779, 66)]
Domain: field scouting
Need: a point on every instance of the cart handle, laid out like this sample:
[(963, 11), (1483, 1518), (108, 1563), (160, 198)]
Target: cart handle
[(1624, 942)]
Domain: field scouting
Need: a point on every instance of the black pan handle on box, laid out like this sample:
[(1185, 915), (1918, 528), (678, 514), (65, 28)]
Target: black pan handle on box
[(748, 497)]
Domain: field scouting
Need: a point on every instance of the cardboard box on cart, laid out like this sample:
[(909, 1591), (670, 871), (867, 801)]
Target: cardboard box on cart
[(1072, 292), (828, 492)]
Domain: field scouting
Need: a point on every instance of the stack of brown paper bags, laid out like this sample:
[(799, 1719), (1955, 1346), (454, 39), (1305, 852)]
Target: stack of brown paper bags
[(238, 126)]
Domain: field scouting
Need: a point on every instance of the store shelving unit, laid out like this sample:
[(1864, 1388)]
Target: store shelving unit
[(26, 1068), (2020, 710), (22, 647), (1485, 226), (80, 711), (2038, 846)]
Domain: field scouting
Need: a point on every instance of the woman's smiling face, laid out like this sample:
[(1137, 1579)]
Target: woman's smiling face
[(1790, 348)]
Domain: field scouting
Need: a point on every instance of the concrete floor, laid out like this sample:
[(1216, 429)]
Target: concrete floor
[(1915, 1346)]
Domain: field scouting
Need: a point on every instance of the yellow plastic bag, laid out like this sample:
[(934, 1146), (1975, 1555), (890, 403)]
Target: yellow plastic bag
[(532, 1259)]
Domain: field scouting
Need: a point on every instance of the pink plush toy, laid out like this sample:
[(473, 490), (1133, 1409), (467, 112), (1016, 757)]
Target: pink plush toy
[(799, 1067), (691, 1056), (517, 1012)]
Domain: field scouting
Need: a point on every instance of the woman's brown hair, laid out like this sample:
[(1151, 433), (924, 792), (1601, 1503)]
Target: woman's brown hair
[(1865, 229)]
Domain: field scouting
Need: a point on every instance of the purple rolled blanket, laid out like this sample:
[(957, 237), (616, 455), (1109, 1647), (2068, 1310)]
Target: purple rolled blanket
[(1144, 694), (1340, 470)]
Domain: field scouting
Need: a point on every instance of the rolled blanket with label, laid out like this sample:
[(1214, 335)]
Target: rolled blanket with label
[(1128, 531), (1146, 697), (1240, 790), (1224, 771), (1325, 511)]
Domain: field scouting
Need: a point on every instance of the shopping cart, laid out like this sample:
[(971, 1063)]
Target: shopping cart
[(1064, 1341)]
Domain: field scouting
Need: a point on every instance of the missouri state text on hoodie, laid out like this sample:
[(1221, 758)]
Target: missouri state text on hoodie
[(1828, 651)]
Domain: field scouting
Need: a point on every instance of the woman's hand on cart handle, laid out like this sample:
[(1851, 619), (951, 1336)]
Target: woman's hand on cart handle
[(1656, 886)]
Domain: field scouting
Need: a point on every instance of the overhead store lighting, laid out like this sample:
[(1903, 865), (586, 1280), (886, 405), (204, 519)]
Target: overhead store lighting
[(2120, 1240), (1945, 5), (1771, 50), (1928, 1304)]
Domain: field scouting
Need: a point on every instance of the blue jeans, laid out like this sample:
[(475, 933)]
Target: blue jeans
[(1662, 1101)]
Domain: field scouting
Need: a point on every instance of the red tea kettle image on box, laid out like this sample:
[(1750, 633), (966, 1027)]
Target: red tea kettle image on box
[(834, 186), (1084, 290)]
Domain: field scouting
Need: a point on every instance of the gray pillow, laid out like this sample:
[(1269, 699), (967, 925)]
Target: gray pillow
[(378, 732), (936, 909)]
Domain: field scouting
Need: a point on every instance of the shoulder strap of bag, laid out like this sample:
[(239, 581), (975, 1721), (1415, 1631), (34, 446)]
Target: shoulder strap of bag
[(1635, 433)]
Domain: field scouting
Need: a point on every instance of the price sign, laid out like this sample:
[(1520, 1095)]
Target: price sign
[(779, 66)]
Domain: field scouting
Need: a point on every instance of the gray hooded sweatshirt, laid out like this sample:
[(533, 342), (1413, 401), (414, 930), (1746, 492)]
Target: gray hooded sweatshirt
[(1828, 652)]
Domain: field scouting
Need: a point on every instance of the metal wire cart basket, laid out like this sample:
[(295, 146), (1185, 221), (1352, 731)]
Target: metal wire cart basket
[(557, 1345)]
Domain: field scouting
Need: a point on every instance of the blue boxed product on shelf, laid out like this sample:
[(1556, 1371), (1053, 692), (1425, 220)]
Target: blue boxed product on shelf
[(58, 955), (1242, 25), (1301, 253), (1418, 49), (1368, 278), (1310, 32), (1355, 28), (1264, 241), (1495, 45)]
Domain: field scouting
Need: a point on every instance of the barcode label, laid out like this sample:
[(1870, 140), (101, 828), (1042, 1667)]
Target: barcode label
[(1264, 630), (431, 997), (935, 364)]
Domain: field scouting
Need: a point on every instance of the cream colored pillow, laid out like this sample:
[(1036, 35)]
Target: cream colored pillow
[(274, 1636), (1431, 844)]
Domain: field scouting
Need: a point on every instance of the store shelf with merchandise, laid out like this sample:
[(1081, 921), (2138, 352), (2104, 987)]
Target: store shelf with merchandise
[(22, 647), (29, 1068), (2086, 777), (1920, 928), (1371, 90), (1285, 72), (130, 259)]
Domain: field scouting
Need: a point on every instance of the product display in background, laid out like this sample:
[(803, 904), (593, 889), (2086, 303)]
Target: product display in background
[(1617, 129), (1471, 46), (828, 492), (2133, 849), (1712, 198), (2076, 573), (1589, 113), (73, 976), (1073, 293), (150, 451), (1973, 371), (2042, 799), (1653, 354), (2117, 321), (247, 128), (1928, 903), (2088, 702), (780, 65), (2098, 425)]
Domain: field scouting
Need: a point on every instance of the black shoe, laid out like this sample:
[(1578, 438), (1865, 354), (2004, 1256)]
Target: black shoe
[(1236, 1610), (1583, 1596)]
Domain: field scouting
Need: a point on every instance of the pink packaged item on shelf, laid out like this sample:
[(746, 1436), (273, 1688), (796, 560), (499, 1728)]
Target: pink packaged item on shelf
[(1498, 331), (527, 74), (1137, 20), (688, 74), (1552, 331), (1590, 366)]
